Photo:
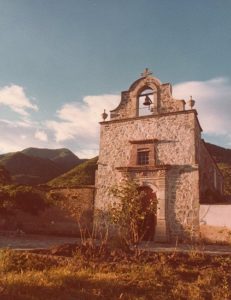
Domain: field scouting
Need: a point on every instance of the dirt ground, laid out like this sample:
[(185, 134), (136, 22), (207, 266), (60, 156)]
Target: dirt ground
[(25, 241), (15, 240)]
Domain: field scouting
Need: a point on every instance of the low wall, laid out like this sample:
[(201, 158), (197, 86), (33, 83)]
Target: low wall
[(71, 207), (215, 222)]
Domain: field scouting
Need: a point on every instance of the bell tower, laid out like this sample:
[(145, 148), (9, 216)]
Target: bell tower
[(147, 96), (151, 139)]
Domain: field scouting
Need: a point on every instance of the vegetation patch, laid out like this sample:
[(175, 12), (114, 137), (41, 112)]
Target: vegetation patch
[(25, 198), (83, 174), (146, 276), (226, 172)]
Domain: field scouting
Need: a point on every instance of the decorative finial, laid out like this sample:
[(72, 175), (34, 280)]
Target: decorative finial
[(146, 73), (191, 102), (104, 115)]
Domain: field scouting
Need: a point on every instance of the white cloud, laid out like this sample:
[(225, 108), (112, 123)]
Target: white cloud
[(14, 97), (79, 122), (213, 103), (18, 135), (41, 135), (76, 123)]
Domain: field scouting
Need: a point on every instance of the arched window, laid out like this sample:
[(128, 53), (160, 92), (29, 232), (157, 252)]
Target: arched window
[(147, 102)]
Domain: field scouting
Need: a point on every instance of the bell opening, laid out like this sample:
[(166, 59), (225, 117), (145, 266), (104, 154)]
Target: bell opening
[(146, 102)]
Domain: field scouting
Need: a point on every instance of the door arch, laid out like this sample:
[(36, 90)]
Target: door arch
[(147, 226)]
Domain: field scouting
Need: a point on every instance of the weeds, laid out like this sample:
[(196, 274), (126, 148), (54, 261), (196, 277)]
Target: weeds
[(150, 276)]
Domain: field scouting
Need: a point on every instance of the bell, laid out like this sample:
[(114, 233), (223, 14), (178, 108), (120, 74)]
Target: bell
[(147, 101)]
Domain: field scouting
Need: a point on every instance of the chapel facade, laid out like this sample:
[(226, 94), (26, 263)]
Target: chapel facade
[(155, 140)]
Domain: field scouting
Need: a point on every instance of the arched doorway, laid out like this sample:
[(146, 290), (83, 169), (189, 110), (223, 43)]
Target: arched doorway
[(149, 207)]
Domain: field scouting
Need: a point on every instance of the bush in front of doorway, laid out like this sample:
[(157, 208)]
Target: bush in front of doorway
[(129, 214)]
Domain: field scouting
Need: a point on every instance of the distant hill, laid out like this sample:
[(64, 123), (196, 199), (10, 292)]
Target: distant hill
[(29, 170), (62, 157), (4, 176), (223, 158), (83, 174), (220, 154), (35, 166)]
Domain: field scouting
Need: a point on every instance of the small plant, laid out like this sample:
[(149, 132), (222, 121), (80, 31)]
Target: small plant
[(94, 239)]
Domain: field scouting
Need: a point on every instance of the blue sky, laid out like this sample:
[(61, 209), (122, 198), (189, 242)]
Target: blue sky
[(62, 62)]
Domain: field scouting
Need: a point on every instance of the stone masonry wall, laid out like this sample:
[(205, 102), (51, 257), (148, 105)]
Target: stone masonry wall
[(183, 202), (210, 176), (175, 147), (71, 207)]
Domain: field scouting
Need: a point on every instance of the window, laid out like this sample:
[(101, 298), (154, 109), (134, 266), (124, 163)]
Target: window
[(143, 157)]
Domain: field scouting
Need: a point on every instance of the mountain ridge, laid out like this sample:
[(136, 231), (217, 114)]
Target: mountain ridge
[(38, 165)]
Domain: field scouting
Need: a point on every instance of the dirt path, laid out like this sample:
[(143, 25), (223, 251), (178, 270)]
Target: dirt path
[(209, 249), (27, 241)]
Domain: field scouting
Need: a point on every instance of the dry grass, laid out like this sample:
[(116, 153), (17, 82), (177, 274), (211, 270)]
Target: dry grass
[(155, 276), (221, 235)]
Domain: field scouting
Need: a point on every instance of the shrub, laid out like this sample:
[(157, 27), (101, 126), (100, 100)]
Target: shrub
[(131, 212), (25, 198)]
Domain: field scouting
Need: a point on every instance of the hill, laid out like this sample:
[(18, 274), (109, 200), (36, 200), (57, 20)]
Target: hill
[(223, 158), (83, 174), (63, 157), (4, 176), (220, 154), (29, 170), (36, 166)]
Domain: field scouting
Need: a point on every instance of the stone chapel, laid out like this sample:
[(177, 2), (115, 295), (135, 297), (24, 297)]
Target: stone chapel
[(156, 141)]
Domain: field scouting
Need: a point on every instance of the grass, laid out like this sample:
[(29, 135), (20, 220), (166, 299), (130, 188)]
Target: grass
[(150, 276)]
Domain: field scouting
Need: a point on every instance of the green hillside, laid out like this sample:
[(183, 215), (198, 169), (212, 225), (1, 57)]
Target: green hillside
[(83, 174), (36, 166), (29, 170)]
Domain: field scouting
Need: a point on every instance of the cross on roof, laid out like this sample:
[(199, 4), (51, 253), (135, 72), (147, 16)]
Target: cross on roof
[(146, 73)]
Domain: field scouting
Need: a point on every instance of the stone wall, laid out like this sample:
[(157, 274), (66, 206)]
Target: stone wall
[(210, 176), (71, 207), (175, 147), (183, 202)]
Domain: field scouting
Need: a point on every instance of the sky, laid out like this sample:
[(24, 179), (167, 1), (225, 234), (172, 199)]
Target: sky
[(63, 62)]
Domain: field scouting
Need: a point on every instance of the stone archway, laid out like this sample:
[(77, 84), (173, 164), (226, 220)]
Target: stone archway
[(148, 225)]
